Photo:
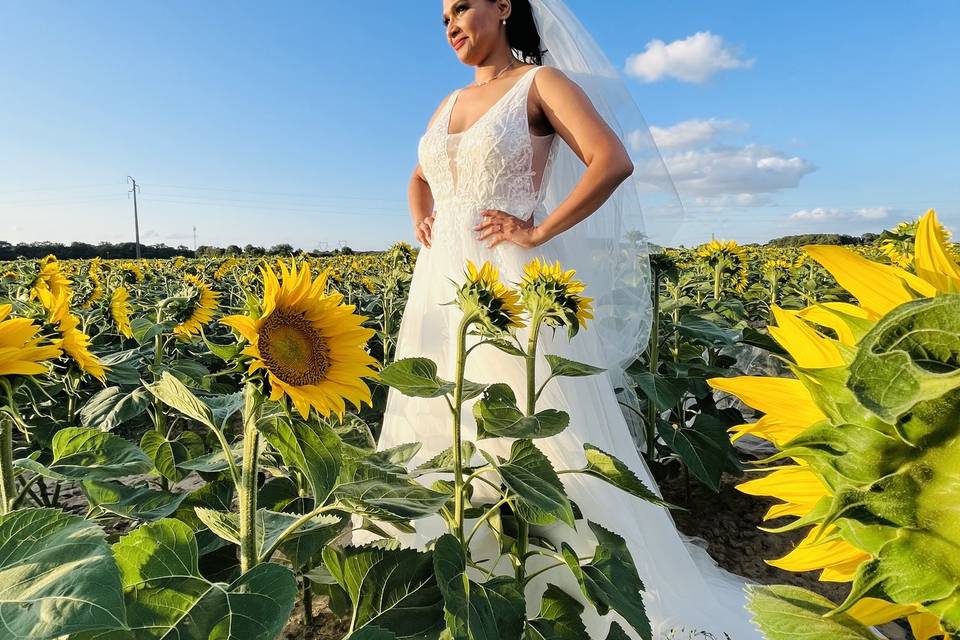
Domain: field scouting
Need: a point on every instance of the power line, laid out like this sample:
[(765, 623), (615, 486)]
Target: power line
[(136, 221)]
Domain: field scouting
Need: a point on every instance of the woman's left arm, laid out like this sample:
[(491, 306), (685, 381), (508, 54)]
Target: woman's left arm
[(575, 119)]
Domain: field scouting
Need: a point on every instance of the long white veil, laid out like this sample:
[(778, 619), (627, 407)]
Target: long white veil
[(612, 244)]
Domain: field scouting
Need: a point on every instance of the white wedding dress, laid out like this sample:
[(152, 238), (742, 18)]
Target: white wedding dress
[(498, 164)]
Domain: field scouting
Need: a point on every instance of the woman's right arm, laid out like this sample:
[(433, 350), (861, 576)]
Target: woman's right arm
[(420, 196)]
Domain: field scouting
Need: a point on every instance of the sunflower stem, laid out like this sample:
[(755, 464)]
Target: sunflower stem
[(248, 481), (523, 528), (457, 409), (654, 361), (8, 489)]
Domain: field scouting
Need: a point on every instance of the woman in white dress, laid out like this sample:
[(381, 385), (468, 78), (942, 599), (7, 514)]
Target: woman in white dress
[(477, 193)]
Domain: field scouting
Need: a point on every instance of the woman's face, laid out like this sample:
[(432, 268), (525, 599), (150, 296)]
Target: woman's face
[(473, 27)]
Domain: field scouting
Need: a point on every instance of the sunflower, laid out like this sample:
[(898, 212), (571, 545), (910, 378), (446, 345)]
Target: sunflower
[(20, 350), (202, 303), (898, 244), (132, 272), (120, 310), (225, 268), (725, 257), (51, 280), (549, 290), (494, 306), (72, 340), (311, 346), (800, 412)]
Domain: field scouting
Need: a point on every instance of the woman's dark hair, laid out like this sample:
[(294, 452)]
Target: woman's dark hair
[(522, 32)]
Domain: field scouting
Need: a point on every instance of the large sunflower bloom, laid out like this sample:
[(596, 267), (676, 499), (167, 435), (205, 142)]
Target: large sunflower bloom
[(309, 343), (120, 310), (20, 350), (553, 291), (72, 340), (791, 407), (203, 305)]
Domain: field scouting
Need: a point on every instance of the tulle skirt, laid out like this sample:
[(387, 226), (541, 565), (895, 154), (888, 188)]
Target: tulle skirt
[(686, 594)]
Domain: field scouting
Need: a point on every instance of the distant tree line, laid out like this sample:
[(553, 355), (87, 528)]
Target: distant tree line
[(821, 238), (128, 250)]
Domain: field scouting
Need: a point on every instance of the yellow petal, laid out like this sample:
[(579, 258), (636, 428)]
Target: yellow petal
[(873, 611), (770, 429), (931, 259), (785, 399), (808, 348), (822, 314), (837, 557), (878, 287), (925, 625), (797, 486)]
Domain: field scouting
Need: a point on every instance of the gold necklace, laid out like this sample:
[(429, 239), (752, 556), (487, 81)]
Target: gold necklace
[(509, 66)]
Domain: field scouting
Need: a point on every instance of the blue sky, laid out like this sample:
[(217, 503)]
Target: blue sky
[(298, 121)]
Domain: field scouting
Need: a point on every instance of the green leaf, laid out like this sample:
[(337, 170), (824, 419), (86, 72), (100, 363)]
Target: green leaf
[(270, 525), (610, 580), (416, 377), (559, 619), (570, 368), (389, 587), (313, 450), (133, 502), (664, 392), (540, 496), (223, 407), (494, 610), (912, 354), (497, 415), (443, 461), (167, 455), (167, 597), (702, 447), (601, 464), (175, 394), (80, 453), (389, 498), (790, 613), (57, 576), (215, 462), (617, 633), (111, 407), (145, 330)]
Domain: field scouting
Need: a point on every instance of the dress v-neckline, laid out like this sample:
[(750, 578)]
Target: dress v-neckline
[(456, 96)]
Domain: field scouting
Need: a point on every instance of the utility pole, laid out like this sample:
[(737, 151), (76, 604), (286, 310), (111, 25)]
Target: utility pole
[(194, 238), (136, 221)]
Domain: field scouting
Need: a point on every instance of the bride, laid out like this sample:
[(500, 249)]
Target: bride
[(522, 163)]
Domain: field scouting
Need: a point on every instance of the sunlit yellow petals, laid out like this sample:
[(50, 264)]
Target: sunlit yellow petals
[(878, 287), (873, 611), (798, 487), (74, 342), (785, 399), (823, 314), (835, 556), (931, 259), (244, 325), (769, 428), (311, 346), (808, 348), (925, 625), (120, 310)]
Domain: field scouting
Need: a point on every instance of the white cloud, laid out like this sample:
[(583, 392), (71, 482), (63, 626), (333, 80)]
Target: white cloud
[(737, 171), (831, 213), (694, 59), (691, 133)]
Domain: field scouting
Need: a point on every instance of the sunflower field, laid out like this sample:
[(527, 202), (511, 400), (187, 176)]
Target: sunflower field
[(189, 446)]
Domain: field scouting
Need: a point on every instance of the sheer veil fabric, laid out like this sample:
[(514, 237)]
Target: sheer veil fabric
[(496, 164)]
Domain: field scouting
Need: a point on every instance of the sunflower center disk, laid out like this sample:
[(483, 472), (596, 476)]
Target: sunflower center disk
[(293, 349)]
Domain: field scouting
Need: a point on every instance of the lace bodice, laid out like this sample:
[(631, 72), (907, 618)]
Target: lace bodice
[(495, 164)]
